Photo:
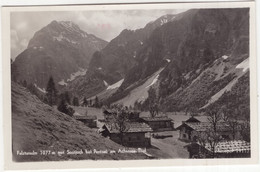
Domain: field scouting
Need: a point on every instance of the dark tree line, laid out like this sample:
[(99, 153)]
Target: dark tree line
[(92, 103)]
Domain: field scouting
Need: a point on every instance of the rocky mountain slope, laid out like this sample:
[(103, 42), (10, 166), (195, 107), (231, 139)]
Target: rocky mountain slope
[(112, 63), (192, 59), (200, 51), (37, 126), (207, 63), (60, 49), (205, 55)]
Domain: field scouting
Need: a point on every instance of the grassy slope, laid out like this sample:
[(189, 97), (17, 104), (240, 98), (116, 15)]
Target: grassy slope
[(37, 126)]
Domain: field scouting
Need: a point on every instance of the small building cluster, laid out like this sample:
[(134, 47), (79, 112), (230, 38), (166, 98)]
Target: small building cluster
[(135, 135), (190, 131), (159, 123), (138, 129), (223, 149), (191, 128), (228, 144), (88, 120)]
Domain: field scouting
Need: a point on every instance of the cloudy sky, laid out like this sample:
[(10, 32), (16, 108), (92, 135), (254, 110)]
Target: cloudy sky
[(103, 24)]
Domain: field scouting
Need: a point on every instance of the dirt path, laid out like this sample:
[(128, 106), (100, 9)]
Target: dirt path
[(169, 147)]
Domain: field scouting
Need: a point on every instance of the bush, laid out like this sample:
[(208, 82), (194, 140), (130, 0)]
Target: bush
[(64, 108)]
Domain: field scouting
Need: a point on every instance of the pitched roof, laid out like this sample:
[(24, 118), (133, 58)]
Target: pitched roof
[(231, 146), (114, 111), (203, 126), (193, 119), (132, 127), (85, 117), (157, 118), (200, 118)]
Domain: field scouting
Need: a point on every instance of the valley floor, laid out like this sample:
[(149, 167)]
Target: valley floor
[(162, 148), (168, 147)]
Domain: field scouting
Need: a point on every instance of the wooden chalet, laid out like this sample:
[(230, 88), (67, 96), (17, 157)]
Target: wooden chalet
[(224, 149), (136, 134), (159, 123), (89, 120), (193, 119), (189, 131)]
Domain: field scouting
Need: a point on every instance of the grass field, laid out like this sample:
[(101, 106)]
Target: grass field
[(39, 127)]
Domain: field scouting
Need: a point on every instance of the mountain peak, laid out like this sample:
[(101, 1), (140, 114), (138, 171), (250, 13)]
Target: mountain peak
[(163, 19), (60, 26), (61, 45), (69, 25)]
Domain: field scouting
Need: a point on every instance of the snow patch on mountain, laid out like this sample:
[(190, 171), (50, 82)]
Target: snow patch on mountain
[(243, 65), (219, 70), (163, 21), (225, 57), (140, 93), (115, 85), (38, 48), (62, 82), (106, 84), (134, 56), (153, 82), (168, 60), (70, 27), (81, 72), (63, 38), (40, 89), (221, 92)]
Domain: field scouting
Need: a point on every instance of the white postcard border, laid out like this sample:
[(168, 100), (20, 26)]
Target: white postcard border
[(9, 164)]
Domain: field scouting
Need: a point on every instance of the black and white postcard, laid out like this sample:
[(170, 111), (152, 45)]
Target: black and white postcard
[(130, 85)]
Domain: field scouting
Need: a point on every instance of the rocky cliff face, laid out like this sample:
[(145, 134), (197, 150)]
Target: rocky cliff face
[(199, 52), (205, 61), (194, 38), (112, 63), (60, 49)]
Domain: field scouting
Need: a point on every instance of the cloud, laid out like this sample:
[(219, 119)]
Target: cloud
[(24, 43), (104, 24), (14, 39)]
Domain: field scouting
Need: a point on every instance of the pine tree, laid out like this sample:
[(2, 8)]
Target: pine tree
[(67, 97), (85, 102), (51, 92), (63, 107), (121, 122), (152, 102), (24, 83), (90, 102), (96, 102), (75, 101)]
